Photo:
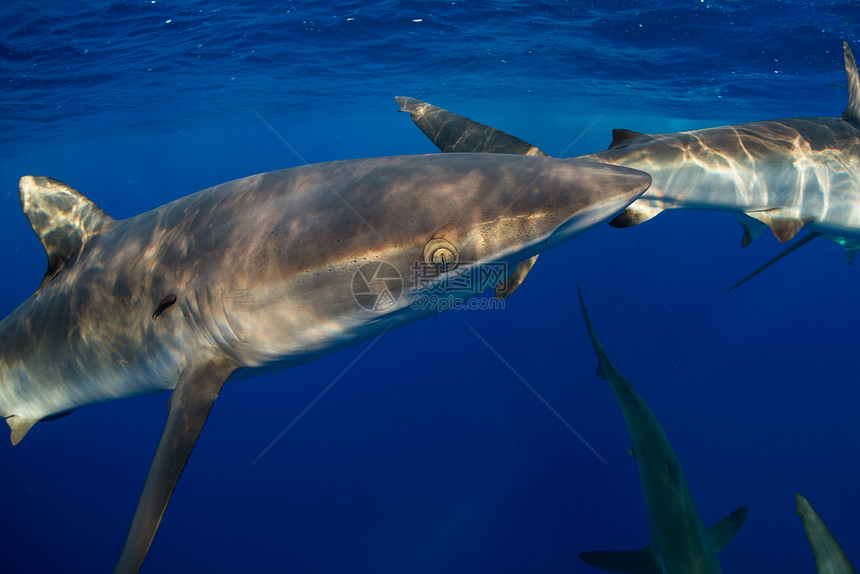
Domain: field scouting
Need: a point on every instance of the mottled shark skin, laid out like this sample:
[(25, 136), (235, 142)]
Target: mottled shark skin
[(260, 274), (829, 556), (680, 543), (785, 174)]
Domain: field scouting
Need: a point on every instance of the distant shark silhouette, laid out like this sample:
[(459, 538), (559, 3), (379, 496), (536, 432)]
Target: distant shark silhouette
[(782, 174), (680, 543), (266, 273), (829, 556)]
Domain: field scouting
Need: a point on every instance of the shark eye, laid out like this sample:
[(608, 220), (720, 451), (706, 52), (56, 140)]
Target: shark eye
[(441, 254)]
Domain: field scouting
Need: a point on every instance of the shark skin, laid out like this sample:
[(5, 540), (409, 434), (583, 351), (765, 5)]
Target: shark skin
[(783, 174), (680, 543), (829, 556), (259, 274)]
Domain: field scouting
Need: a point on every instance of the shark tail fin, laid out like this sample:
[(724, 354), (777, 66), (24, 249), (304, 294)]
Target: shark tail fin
[(630, 562), (62, 218), (852, 112), (452, 132), (723, 531)]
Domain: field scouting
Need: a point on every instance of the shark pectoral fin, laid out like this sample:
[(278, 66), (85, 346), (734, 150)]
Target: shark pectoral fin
[(753, 228), (638, 212), (796, 245), (724, 530), (632, 562), (62, 218), (783, 223), (20, 426), (452, 132), (510, 283), (190, 404)]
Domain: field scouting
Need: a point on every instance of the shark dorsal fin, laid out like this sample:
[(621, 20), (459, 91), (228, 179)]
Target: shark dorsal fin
[(724, 530), (452, 132), (852, 112), (622, 137), (62, 218)]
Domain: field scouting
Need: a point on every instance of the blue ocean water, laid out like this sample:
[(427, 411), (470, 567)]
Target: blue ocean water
[(429, 454)]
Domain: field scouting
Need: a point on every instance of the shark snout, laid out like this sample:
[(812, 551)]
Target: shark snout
[(593, 193)]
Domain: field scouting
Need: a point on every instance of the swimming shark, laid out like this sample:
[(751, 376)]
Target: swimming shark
[(829, 556), (265, 273), (782, 174), (680, 543)]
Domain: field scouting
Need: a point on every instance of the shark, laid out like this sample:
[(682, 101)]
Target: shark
[(829, 556), (680, 543), (265, 273), (783, 174)]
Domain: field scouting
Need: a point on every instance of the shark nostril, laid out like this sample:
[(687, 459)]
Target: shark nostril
[(441, 254)]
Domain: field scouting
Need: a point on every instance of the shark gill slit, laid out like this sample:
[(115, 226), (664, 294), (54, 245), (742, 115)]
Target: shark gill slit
[(165, 302)]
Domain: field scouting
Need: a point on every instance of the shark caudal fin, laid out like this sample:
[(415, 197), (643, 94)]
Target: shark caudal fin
[(62, 218), (852, 112), (189, 407)]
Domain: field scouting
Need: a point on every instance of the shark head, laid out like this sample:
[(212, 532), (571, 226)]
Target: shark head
[(462, 225)]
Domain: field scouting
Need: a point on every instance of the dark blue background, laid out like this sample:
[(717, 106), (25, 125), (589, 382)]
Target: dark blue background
[(418, 460)]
